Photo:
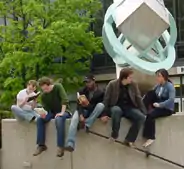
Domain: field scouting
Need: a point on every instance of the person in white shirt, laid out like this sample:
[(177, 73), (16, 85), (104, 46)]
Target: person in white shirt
[(24, 110)]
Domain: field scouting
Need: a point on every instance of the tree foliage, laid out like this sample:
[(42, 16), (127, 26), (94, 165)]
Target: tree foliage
[(36, 32)]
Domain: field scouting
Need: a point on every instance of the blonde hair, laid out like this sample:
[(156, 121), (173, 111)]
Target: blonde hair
[(32, 82)]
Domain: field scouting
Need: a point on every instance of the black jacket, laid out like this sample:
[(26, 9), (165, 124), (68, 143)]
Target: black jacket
[(96, 98)]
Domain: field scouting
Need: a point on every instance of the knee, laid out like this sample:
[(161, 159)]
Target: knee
[(39, 120), (142, 119), (14, 108), (116, 112), (100, 106), (59, 120)]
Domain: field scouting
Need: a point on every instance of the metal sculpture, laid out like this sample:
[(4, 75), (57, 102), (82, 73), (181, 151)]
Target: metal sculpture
[(124, 51)]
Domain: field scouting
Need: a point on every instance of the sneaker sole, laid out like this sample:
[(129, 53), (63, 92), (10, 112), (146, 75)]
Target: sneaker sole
[(69, 148)]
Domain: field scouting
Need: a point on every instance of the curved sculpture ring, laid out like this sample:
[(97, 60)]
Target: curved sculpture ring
[(156, 56)]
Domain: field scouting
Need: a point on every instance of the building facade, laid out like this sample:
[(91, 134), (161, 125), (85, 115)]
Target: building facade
[(104, 68)]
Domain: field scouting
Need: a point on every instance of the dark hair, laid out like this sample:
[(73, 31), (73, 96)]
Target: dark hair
[(32, 82), (164, 74), (124, 73), (45, 81), (89, 77)]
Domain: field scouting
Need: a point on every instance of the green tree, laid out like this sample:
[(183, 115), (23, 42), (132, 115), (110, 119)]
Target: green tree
[(36, 32)]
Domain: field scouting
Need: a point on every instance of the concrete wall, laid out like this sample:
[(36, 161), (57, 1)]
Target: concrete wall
[(92, 152)]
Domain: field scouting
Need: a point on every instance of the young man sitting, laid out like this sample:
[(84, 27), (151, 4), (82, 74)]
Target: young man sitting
[(24, 110), (55, 102), (123, 99), (88, 109)]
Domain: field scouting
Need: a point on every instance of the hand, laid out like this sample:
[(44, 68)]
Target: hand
[(83, 101), (82, 119), (156, 104), (59, 114), (104, 119), (42, 116)]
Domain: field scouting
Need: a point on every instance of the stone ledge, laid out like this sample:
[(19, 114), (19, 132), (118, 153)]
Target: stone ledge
[(19, 144)]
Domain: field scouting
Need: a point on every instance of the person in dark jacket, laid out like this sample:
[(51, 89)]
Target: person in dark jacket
[(89, 107), (159, 102), (123, 99)]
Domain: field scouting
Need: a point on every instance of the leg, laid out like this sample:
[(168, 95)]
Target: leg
[(60, 127), (116, 114), (149, 126), (70, 143), (85, 113), (137, 119), (41, 133), (21, 114), (96, 112)]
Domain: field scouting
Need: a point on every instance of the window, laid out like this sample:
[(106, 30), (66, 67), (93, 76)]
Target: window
[(180, 19), (176, 7), (101, 60), (171, 6)]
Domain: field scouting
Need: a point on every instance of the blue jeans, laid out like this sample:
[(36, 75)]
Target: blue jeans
[(23, 114), (88, 123), (134, 115), (60, 127)]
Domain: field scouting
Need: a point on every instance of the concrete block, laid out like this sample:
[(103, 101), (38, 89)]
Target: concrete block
[(19, 143), (169, 136), (142, 21), (93, 152)]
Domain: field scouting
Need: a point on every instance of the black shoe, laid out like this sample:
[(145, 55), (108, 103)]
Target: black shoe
[(87, 129), (114, 135), (129, 144), (60, 152), (80, 126), (33, 119)]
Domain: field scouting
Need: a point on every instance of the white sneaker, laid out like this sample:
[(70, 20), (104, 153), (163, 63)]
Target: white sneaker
[(148, 143), (112, 140)]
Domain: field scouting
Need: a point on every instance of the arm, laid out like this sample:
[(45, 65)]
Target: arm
[(139, 99), (44, 103), (64, 98), (172, 94), (33, 104), (21, 102), (107, 97), (79, 106)]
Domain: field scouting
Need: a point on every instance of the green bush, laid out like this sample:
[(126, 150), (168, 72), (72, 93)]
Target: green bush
[(4, 115)]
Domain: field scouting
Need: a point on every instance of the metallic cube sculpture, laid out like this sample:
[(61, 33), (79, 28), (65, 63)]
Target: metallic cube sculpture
[(141, 23)]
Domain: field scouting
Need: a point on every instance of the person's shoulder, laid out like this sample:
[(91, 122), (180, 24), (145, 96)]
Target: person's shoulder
[(170, 85), (112, 82), (58, 85), (83, 90), (23, 91), (100, 90)]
